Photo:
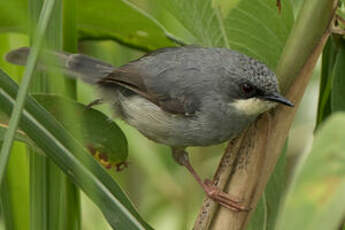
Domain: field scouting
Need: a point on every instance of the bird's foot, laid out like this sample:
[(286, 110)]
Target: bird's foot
[(223, 198), (212, 191)]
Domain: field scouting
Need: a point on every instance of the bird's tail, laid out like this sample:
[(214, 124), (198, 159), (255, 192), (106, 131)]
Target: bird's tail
[(79, 66)]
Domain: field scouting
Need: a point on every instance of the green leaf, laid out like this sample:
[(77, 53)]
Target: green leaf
[(44, 19), (338, 87), (13, 16), (254, 27), (109, 19), (92, 126), (20, 135), (315, 200), (54, 199), (102, 19), (73, 159), (328, 61), (15, 193)]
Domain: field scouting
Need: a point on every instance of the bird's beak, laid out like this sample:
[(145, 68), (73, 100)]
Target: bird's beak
[(276, 97)]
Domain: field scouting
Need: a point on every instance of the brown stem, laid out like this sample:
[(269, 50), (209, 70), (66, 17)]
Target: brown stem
[(250, 159)]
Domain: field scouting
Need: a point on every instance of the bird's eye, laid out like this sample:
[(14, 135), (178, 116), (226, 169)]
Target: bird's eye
[(247, 88)]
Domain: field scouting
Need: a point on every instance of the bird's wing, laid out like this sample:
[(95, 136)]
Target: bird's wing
[(165, 94)]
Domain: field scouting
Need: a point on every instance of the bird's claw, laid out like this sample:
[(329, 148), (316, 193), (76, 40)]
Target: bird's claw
[(223, 198)]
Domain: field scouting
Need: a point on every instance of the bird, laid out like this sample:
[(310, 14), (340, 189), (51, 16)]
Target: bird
[(177, 96)]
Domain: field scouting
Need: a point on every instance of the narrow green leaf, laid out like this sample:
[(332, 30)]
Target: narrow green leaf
[(69, 35), (70, 39), (328, 60), (315, 199), (15, 192), (78, 164), (46, 184), (338, 86), (91, 124), (19, 136), (15, 117)]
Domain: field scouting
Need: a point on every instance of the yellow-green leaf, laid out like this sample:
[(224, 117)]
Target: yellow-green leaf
[(316, 198)]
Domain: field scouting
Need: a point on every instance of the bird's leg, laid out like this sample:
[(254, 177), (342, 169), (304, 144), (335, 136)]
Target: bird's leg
[(95, 102), (212, 191)]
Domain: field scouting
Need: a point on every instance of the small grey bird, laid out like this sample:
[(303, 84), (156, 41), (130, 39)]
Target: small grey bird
[(182, 96)]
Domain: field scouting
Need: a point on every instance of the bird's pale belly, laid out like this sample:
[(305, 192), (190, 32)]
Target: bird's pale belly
[(175, 130)]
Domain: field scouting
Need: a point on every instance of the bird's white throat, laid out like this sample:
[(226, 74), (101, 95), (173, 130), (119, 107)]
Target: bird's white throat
[(252, 106)]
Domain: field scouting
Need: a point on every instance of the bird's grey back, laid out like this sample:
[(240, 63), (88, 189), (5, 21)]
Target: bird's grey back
[(175, 71), (206, 63)]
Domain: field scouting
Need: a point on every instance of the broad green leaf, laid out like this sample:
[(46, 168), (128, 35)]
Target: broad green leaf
[(92, 126), (73, 159), (315, 200), (102, 19), (338, 86), (109, 19), (254, 27)]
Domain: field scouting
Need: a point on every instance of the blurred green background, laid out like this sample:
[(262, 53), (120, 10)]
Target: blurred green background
[(164, 193)]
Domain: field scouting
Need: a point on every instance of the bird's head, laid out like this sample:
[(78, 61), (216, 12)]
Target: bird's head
[(254, 88)]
